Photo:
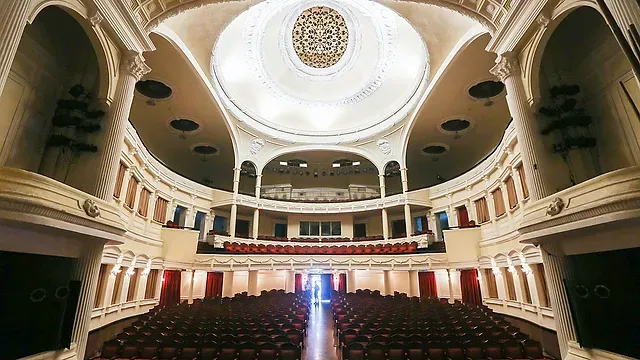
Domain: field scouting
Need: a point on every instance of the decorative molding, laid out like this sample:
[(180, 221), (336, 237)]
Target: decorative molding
[(91, 208), (555, 207), (256, 145), (134, 64), (96, 18), (384, 146), (506, 66)]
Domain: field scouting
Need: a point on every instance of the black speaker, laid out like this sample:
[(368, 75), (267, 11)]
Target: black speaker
[(604, 293)]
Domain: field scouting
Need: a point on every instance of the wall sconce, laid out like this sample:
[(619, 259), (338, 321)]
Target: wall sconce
[(496, 272), (526, 269), (146, 271), (511, 269), (117, 268), (130, 272)]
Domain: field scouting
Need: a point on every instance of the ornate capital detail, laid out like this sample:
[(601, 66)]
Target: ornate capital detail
[(96, 19), (256, 145), (135, 65), (91, 208), (506, 66), (543, 20), (384, 146), (555, 207)]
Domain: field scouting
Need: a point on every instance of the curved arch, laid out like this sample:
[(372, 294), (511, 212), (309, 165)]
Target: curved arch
[(378, 163), (184, 51), (107, 59), (484, 21), (531, 68), (463, 43)]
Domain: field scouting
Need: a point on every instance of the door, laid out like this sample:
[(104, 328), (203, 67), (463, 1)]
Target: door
[(280, 230), (242, 228), (359, 230), (326, 285), (398, 228)]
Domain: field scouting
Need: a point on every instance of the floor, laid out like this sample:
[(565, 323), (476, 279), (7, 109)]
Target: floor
[(320, 341)]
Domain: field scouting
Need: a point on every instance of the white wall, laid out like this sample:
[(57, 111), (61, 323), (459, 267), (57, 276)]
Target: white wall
[(268, 280), (399, 281)]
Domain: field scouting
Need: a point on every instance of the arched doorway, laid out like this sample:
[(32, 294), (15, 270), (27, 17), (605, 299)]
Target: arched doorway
[(248, 175), (392, 178), (589, 100), (50, 113)]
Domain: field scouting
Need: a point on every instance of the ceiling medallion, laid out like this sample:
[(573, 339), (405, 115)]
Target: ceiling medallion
[(320, 37)]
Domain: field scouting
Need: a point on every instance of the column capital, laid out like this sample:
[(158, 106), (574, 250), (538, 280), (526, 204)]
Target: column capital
[(507, 65), (133, 63)]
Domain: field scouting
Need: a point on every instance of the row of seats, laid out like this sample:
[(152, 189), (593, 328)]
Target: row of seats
[(268, 327), (402, 248), (403, 328)]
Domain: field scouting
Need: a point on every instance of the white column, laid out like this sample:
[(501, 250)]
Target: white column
[(385, 224), (13, 19), (136, 198), (227, 284), (431, 218), (258, 185), (151, 207), (490, 204), (407, 220), (125, 285), (383, 187), (517, 183), (517, 284), (351, 281), (386, 278), (232, 220), (403, 178), (505, 198), (159, 285), (414, 285), (252, 283), (236, 180), (189, 217), (132, 68), (471, 210), (290, 281), (85, 270), (505, 290), (142, 284), (484, 290), (451, 297), (171, 210), (256, 223), (123, 188), (625, 13), (109, 289), (452, 216), (556, 271), (191, 281), (507, 69)]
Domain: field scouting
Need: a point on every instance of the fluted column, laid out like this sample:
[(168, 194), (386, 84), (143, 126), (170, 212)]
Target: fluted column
[(386, 278), (405, 181), (351, 281), (385, 224), (624, 13), (13, 19), (532, 150), (408, 223), (86, 271), (258, 185), (414, 286), (517, 183), (556, 271), (383, 186), (256, 222), (252, 283), (132, 68), (227, 284), (232, 220)]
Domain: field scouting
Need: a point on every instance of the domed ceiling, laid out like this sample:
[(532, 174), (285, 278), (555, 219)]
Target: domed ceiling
[(319, 71)]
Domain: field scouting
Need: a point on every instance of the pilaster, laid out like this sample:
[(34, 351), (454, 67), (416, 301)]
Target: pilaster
[(13, 20)]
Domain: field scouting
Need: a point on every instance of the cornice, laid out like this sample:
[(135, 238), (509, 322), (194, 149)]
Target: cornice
[(126, 28), (515, 25)]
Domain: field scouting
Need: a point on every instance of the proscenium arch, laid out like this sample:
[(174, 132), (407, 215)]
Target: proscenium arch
[(531, 69), (185, 53), (486, 21), (107, 60), (378, 163)]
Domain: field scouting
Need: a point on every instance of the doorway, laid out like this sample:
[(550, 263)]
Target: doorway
[(359, 230), (280, 230), (323, 283), (398, 229)]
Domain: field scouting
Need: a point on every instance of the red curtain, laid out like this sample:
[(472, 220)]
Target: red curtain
[(298, 281), (463, 216), (427, 284), (342, 284), (214, 285), (470, 287), (170, 293)]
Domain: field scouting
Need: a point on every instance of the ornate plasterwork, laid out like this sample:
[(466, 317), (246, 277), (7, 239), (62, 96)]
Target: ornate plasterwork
[(385, 146), (134, 64), (256, 145), (506, 66), (320, 37)]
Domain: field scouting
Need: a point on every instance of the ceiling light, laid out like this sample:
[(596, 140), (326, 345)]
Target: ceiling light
[(283, 163), (336, 165), (304, 165), (356, 163)]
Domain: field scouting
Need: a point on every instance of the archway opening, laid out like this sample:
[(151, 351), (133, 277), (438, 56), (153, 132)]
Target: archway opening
[(392, 178), (589, 101), (51, 115), (248, 176)]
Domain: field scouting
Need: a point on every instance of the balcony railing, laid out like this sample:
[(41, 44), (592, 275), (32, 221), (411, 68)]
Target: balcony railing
[(319, 195)]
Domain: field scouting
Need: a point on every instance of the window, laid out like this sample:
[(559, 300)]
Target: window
[(152, 282), (512, 196), (117, 288), (543, 290), (143, 204), (498, 202), (482, 210), (160, 210), (508, 281), (119, 181), (325, 228), (101, 286), (133, 286), (492, 286), (131, 192), (523, 182)]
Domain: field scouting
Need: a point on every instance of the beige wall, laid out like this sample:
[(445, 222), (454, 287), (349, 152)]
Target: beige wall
[(370, 279)]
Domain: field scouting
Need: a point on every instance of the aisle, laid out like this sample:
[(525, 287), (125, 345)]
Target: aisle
[(319, 344)]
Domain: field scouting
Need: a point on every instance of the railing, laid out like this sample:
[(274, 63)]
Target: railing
[(319, 195), (424, 241)]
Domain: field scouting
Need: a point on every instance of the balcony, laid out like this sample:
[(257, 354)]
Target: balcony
[(319, 195)]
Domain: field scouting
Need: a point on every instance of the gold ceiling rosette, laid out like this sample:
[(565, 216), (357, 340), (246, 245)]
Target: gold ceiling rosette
[(320, 37)]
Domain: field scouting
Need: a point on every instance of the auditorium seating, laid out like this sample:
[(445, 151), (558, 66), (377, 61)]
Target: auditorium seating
[(373, 327), (268, 327), (380, 249)]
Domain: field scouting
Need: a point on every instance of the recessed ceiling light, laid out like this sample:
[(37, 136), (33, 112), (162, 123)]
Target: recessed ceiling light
[(283, 163), (455, 125), (336, 165), (184, 125), (486, 89), (205, 150), (356, 163), (304, 165), (153, 89), (434, 150)]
